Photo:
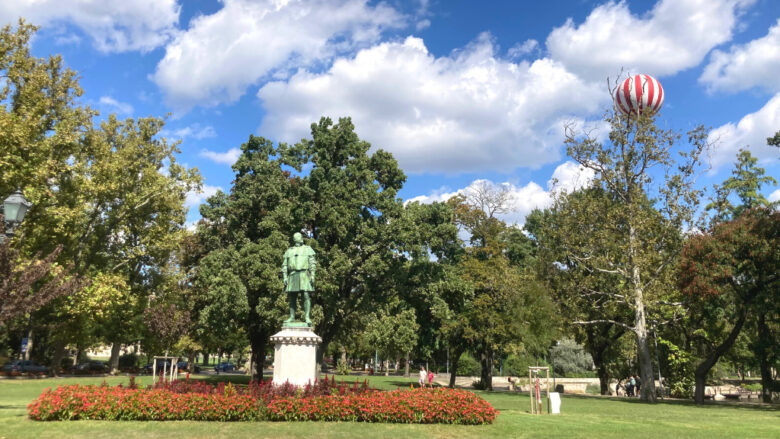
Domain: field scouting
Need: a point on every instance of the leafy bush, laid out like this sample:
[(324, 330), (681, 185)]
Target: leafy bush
[(342, 368), (517, 365), (754, 387), (571, 358), (468, 366), (478, 384), (679, 377), (128, 361), (198, 401)]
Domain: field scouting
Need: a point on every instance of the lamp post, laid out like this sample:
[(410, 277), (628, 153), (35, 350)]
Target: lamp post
[(15, 207)]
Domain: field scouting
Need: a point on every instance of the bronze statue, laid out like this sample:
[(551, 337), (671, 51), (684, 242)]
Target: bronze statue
[(298, 268)]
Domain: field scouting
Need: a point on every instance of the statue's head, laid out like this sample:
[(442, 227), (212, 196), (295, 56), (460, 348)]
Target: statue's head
[(298, 238)]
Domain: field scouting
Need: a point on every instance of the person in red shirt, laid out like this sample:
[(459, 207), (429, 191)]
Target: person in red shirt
[(430, 378)]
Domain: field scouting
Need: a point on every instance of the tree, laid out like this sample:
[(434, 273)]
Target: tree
[(734, 269), (393, 334), (347, 206), (570, 357), (26, 286), (577, 221), (649, 238), (167, 323)]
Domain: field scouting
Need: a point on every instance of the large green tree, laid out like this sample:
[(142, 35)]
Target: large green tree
[(346, 205), (635, 166)]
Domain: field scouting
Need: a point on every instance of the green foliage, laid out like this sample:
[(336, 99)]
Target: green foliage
[(571, 358), (343, 368), (468, 366), (392, 334), (679, 379), (745, 182), (518, 364)]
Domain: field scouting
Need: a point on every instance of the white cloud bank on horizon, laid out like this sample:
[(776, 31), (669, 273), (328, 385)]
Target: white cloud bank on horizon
[(114, 26), (567, 177), (220, 55), (673, 36), (750, 132), (754, 64), (469, 111)]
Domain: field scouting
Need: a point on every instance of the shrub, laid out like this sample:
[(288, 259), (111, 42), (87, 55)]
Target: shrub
[(468, 366), (342, 368), (199, 401), (571, 358), (128, 361)]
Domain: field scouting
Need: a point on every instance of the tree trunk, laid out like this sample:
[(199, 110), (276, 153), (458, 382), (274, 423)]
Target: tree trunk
[(603, 374), (27, 353), (56, 362), (486, 375), (397, 360), (640, 325), (206, 358), (113, 361), (387, 367), (406, 366), (764, 352), (454, 366), (704, 367)]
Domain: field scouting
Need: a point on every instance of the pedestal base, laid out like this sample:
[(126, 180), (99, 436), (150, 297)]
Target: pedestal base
[(295, 355)]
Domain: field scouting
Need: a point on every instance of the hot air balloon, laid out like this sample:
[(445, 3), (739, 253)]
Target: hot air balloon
[(639, 94)]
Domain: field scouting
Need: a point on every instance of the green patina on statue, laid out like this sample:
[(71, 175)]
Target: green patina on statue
[(298, 268)]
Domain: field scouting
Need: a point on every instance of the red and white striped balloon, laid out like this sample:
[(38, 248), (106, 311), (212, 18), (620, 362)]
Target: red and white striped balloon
[(639, 94)]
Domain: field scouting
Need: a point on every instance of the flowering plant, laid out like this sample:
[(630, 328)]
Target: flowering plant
[(261, 401)]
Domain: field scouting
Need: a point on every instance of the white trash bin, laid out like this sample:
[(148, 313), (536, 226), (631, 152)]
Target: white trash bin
[(555, 403)]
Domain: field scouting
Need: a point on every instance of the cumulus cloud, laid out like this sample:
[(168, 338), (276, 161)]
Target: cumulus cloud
[(750, 132), (114, 106), (221, 54), (468, 111), (567, 177), (521, 49), (774, 196), (673, 36), (114, 26), (226, 158), (754, 64), (195, 131), (196, 198)]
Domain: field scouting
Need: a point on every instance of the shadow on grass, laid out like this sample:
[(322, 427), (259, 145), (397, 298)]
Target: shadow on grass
[(687, 403)]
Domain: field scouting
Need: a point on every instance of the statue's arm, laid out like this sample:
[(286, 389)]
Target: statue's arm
[(312, 266), (284, 269)]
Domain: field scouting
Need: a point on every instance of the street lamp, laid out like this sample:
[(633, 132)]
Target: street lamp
[(15, 207)]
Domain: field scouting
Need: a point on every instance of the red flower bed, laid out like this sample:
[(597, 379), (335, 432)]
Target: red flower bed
[(121, 403), (196, 401), (416, 406)]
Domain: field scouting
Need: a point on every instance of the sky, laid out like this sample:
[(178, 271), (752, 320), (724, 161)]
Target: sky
[(458, 91)]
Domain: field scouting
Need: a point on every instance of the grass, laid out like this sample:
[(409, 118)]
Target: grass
[(584, 417)]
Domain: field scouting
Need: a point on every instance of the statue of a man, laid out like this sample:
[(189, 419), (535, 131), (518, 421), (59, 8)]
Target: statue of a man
[(298, 268)]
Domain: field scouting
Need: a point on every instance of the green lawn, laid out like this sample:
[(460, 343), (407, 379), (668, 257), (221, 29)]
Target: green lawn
[(585, 417)]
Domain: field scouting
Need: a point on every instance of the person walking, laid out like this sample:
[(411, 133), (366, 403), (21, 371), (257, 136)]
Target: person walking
[(638, 385), (631, 386), (423, 376), (430, 379)]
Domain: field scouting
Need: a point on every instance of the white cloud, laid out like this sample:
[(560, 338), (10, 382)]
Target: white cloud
[(196, 198), (196, 131), (568, 176), (750, 132), (112, 105), (673, 36), (774, 196), (754, 64), (114, 26), (220, 55), (521, 49), (469, 111), (227, 158)]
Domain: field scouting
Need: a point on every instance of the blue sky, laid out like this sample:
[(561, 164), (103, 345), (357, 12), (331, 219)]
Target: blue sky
[(458, 91)]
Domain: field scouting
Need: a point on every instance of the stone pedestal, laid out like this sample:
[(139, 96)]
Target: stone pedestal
[(295, 355)]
